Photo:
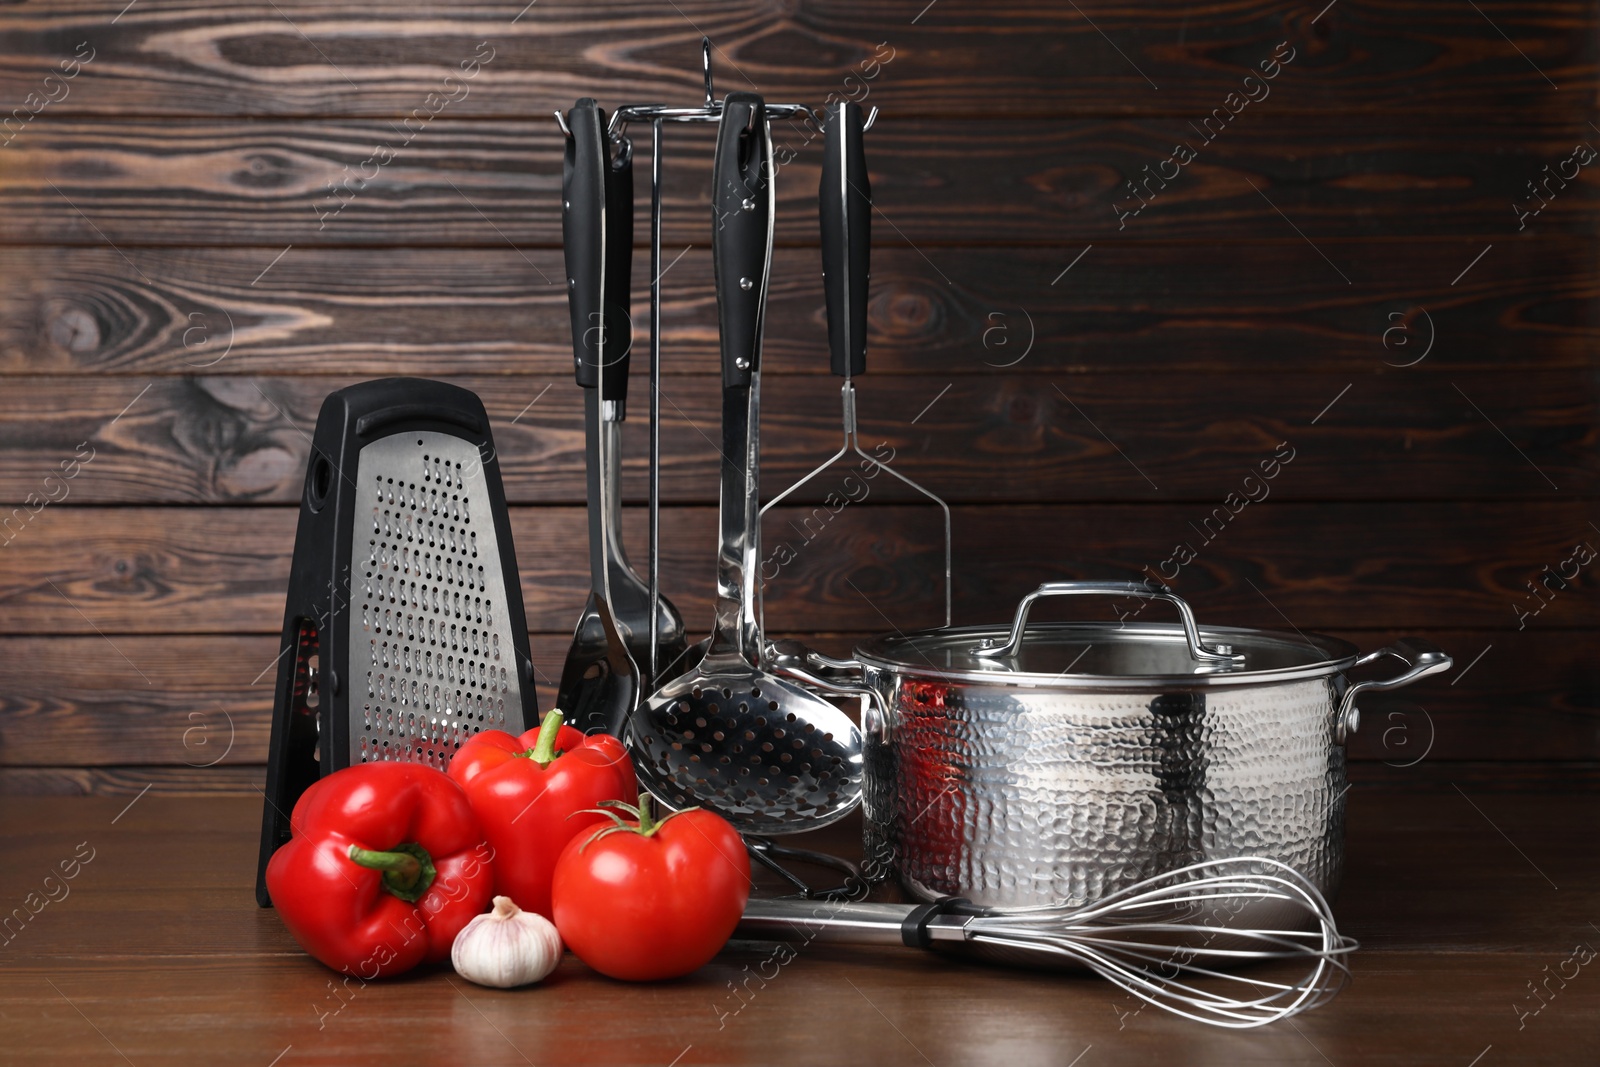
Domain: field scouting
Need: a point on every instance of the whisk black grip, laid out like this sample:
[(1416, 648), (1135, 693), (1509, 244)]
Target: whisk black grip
[(914, 927)]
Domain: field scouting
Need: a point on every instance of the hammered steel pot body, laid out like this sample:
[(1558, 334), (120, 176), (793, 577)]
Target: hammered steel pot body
[(1013, 795), (1055, 764)]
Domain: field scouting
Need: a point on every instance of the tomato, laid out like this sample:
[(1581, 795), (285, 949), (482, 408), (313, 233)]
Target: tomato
[(645, 899)]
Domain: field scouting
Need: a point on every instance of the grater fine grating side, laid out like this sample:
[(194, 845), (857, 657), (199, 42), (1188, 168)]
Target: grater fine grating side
[(428, 624)]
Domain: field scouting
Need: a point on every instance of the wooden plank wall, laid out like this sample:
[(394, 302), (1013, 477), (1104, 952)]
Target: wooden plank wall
[(211, 215)]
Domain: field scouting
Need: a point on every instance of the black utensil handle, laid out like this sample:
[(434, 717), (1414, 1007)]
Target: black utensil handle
[(583, 226), (844, 205), (741, 228), (619, 270)]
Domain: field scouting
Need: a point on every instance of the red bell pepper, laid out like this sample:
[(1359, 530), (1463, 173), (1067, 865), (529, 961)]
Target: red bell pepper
[(534, 793), (385, 866)]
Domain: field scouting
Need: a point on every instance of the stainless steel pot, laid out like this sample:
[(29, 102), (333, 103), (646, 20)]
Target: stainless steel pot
[(1058, 763)]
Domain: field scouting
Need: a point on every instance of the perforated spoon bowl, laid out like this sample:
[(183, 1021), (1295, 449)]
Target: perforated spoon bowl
[(764, 753)]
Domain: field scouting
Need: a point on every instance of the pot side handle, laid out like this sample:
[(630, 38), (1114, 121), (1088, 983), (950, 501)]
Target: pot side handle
[(1421, 658), (839, 677)]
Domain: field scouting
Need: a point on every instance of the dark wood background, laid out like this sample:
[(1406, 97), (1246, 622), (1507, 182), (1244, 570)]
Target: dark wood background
[(161, 257)]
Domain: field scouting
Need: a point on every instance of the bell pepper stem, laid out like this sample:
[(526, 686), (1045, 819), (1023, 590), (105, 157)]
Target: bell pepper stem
[(408, 870), (543, 751)]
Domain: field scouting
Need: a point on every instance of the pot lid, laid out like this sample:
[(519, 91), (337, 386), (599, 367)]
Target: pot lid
[(1108, 655)]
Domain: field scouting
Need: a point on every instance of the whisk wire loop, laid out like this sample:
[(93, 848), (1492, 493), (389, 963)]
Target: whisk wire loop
[(1105, 937)]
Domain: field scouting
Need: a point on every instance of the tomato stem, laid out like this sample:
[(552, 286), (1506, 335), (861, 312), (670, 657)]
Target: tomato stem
[(647, 825), (647, 820), (407, 869), (544, 751)]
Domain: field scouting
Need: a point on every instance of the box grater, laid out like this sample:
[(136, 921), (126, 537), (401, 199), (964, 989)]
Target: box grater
[(403, 630)]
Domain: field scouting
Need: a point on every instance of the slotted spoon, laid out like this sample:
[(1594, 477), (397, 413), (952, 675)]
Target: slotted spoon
[(764, 753)]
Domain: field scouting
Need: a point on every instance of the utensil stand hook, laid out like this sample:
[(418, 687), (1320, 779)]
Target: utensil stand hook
[(705, 64)]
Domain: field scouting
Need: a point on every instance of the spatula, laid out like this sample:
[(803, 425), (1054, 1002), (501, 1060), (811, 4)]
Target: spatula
[(597, 203)]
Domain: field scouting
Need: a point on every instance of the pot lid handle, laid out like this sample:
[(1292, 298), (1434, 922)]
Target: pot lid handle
[(1220, 654)]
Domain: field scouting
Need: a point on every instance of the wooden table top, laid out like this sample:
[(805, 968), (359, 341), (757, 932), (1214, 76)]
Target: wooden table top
[(155, 952)]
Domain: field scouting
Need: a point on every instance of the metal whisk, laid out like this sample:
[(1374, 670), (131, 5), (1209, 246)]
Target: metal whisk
[(1154, 939)]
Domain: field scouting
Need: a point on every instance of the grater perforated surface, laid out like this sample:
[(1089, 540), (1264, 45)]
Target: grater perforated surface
[(431, 649)]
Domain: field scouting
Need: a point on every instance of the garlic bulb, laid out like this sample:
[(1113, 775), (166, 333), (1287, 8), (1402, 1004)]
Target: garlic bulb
[(506, 947)]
